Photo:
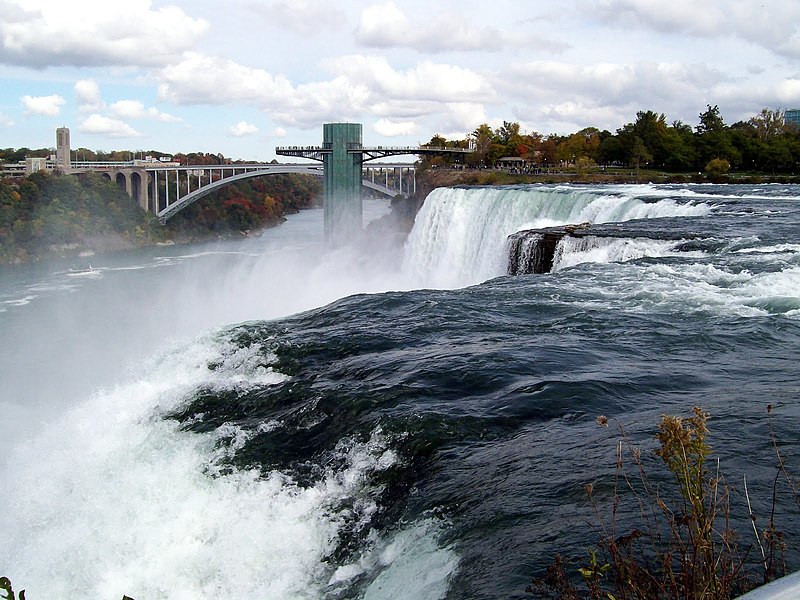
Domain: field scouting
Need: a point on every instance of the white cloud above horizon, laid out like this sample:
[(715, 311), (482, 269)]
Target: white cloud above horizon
[(305, 17), (394, 128), (87, 93), (774, 27), (242, 128), (385, 25), (48, 106), (99, 125), (134, 109)]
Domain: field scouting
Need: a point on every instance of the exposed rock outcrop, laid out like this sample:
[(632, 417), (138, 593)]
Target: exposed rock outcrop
[(533, 250)]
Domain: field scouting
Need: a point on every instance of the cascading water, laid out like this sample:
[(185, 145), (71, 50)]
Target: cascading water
[(459, 237), (528, 254), (177, 428)]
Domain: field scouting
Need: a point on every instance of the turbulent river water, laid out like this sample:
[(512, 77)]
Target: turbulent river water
[(268, 419)]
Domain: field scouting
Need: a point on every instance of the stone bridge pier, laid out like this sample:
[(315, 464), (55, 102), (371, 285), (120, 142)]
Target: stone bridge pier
[(136, 182)]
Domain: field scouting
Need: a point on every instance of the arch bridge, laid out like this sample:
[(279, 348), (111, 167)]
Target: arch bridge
[(166, 189)]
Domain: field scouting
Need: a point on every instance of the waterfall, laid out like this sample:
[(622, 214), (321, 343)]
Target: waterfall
[(460, 234)]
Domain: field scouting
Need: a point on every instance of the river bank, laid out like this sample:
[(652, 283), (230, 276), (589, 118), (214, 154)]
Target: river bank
[(431, 178)]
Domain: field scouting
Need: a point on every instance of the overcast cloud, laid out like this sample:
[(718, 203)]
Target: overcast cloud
[(239, 77)]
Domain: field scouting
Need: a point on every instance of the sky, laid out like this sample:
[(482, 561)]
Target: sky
[(240, 77)]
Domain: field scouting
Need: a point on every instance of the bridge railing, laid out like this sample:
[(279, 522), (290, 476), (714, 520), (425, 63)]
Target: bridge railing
[(279, 149), (356, 147)]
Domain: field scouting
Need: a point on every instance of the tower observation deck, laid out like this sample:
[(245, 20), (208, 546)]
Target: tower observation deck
[(342, 155)]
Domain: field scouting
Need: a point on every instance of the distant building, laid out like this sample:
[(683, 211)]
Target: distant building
[(792, 116), (62, 149), (32, 165)]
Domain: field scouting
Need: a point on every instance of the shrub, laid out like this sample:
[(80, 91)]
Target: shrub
[(717, 167), (685, 545)]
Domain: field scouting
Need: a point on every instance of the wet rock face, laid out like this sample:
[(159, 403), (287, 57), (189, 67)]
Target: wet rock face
[(532, 251), (535, 251)]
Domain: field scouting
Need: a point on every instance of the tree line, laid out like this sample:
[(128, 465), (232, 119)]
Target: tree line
[(766, 143), (248, 205), (52, 214)]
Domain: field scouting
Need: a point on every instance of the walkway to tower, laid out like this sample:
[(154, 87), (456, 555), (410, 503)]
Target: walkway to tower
[(343, 155)]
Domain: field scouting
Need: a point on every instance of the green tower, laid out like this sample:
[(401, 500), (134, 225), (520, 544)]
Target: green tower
[(342, 155), (342, 197)]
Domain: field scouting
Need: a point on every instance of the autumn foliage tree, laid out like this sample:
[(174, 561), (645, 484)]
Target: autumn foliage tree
[(248, 205), (50, 212), (764, 143)]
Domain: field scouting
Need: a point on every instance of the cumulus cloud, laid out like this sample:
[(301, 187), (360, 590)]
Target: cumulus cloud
[(359, 85), (87, 93), (571, 116), (390, 128), (644, 83), (742, 101), (98, 124), (772, 26), (279, 132), (384, 25), (201, 79), (41, 33), (788, 91), (48, 106), (313, 103), (460, 119), (564, 96), (133, 109), (242, 128), (427, 81)]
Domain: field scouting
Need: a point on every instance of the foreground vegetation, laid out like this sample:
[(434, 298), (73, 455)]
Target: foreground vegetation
[(684, 545)]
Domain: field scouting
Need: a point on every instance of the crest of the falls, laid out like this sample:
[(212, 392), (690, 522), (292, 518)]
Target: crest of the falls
[(460, 234)]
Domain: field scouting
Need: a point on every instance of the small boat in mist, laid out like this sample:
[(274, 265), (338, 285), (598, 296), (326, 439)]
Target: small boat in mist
[(88, 272)]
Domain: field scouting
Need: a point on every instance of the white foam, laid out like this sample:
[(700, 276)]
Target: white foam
[(20, 301), (695, 288), (571, 251), (414, 566), (113, 499), (775, 249), (89, 273), (408, 564)]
